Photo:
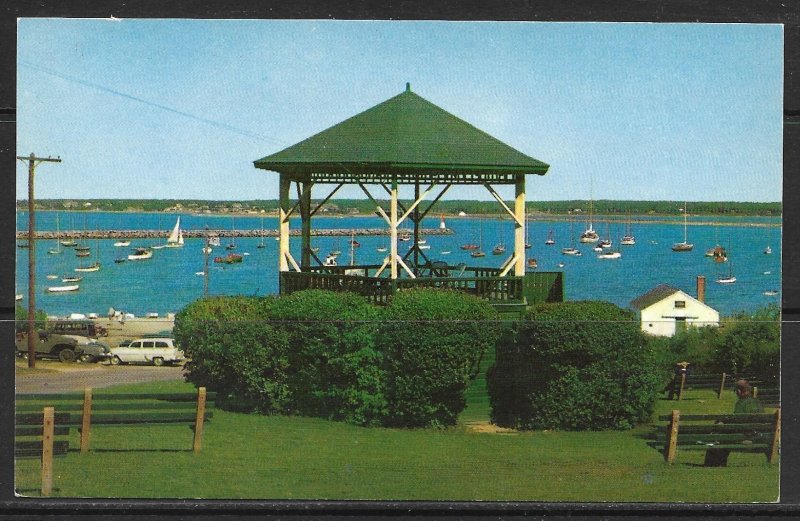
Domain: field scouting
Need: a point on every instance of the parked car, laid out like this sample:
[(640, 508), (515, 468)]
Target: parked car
[(66, 348), (156, 351)]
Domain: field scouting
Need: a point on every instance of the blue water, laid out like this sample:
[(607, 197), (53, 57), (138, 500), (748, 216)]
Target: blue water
[(168, 281)]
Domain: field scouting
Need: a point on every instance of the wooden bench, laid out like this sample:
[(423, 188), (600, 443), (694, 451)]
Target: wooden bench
[(715, 382), (758, 433), (86, 411), (768, 396), (44, 426)]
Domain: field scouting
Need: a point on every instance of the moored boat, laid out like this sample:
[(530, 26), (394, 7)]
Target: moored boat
[(685, 245), (141, 254), (231, 258), (610, 255), (533, 264), (63, 289), (90, 268), (122, 243), (175, 239)]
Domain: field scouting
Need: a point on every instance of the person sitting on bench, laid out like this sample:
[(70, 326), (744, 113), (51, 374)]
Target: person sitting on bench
[(746, 404)]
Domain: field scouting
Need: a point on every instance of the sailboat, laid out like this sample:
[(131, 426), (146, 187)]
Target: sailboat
[(95, 266), (572, 250), (500, 247), (685, 245), (123, 243), (768, 249), (471, 246), (261, 244), (477, 249), (175, 239), (730, 279), (353, 245), (57, 250), (590, 235), (628, 239), (609, 254), (69, 242), (550, 238), (527, 233), (232, 245)]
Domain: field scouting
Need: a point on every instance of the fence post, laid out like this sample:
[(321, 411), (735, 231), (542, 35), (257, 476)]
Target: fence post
[(198, 421), (683, 382), (47, 450), (86, 419), (755, 392), (772, 455), (672, 437), (721, 386)]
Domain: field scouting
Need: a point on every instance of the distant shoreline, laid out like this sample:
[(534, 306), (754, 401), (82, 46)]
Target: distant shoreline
[(532, 218)]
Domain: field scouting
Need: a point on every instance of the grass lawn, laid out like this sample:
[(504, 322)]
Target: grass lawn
[(256, 457)]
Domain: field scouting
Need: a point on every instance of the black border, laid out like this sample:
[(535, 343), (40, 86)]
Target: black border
[(730, 11)]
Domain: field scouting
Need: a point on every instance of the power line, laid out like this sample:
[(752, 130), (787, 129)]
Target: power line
[(201, 119)]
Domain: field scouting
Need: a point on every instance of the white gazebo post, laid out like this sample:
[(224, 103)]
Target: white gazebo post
[(519, 225), (393, 230), (283, 224)]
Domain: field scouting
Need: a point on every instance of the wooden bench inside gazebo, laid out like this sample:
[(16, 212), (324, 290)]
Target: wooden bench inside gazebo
[(405, 141)]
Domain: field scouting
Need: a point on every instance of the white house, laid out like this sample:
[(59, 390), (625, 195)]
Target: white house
[(666, 310)]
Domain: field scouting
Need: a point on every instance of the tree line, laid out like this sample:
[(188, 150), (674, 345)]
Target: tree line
[(450, 207)]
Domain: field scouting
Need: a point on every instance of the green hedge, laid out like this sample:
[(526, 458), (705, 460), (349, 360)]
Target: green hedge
[(333, 355), (235, 351), (433, 342), (574, 366), (334, 367)]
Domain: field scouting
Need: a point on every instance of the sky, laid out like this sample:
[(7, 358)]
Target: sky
[(180, 109)]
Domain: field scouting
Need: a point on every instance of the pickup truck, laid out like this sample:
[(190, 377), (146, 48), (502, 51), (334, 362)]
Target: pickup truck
[(66, 348)]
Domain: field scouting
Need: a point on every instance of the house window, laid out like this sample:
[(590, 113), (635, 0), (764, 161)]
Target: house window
[(680, 303)]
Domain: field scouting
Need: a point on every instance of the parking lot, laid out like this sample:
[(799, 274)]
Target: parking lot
[(57, 377)]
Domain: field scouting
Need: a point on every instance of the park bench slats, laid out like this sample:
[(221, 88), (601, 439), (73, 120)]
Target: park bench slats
[(172, 397), (110, 406), (33, 449), (20, 431), (755, 433), (724, 418), (84, 411)]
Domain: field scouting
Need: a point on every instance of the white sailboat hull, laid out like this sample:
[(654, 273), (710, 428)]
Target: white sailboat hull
[(63, 289)]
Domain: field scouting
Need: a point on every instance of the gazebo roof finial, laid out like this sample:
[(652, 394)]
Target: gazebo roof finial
[(408, 86)]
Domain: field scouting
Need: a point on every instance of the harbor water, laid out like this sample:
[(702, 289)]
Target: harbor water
[(170, 280)]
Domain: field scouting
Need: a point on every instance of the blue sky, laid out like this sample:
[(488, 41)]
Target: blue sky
[(181, 108)]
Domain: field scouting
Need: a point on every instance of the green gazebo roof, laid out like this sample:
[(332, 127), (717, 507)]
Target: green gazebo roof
[(406, 136)]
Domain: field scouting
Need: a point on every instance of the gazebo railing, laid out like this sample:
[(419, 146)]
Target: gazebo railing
[(482, 282)]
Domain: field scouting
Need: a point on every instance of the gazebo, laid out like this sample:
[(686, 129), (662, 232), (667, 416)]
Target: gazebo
[(406, 140)]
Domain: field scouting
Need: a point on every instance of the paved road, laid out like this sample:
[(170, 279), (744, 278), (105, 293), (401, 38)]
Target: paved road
[(76, 378)]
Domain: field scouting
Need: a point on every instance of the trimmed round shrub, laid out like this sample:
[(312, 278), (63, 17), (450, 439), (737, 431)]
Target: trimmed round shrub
[(334, 367), (433, 341), (235, 351), (574, 366)]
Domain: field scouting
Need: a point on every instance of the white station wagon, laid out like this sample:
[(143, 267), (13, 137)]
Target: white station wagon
[(156, 351)]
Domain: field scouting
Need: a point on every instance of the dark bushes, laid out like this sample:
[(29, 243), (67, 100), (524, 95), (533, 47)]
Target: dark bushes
[(574, 366), (433, 342), (332, 355), (235, 351), (334, 367)]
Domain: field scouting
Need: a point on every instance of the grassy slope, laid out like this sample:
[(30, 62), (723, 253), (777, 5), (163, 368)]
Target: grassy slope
[(249, 456)]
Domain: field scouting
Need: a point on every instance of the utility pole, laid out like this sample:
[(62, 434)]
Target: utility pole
[(33, 162)]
